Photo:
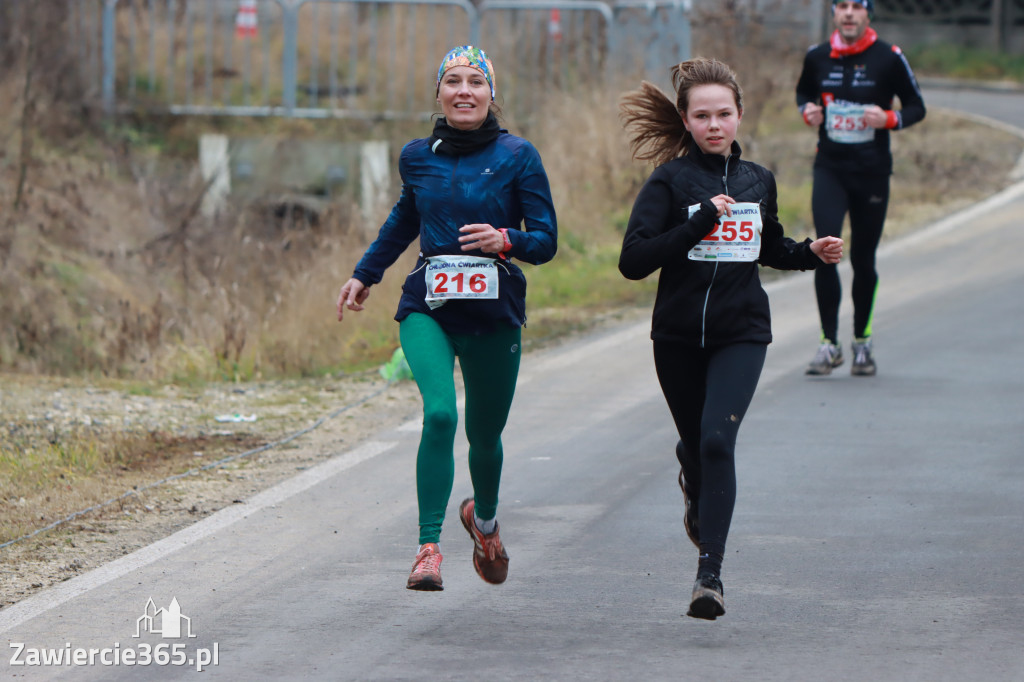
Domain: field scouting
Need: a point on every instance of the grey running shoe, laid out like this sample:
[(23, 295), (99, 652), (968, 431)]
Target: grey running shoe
[(863, 364), (829, 355), (708, 600)]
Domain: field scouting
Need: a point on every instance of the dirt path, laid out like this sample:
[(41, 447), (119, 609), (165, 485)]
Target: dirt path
[(297, 425)]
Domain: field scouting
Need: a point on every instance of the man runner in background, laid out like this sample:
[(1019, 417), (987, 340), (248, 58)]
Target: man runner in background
[(846, 90)]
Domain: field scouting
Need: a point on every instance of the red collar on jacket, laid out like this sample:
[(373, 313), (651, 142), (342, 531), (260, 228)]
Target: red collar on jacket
[(841, 49)]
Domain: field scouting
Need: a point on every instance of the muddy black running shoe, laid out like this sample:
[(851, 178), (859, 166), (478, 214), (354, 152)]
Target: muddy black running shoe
[(829, 355), (708, 599), (863, 364), (690, 522)]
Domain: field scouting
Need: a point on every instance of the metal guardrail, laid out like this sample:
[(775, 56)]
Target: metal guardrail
[(369, 59)]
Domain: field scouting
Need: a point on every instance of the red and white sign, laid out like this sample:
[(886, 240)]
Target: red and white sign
[(555, 25), (247, 19)]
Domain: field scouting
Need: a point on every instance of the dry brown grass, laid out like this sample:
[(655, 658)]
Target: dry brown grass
[(48, 473)]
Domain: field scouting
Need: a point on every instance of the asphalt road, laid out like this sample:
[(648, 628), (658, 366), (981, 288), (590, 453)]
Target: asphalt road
[(999, 104), (878, 532)]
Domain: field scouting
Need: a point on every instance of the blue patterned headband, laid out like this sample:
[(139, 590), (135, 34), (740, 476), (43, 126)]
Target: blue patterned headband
[(467, 55)]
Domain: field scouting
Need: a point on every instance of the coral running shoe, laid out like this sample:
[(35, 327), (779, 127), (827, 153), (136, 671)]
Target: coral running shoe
[(489, 557), (426, 570)]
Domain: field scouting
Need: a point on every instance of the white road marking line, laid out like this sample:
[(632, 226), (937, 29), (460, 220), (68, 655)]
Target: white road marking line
[(57, 595)]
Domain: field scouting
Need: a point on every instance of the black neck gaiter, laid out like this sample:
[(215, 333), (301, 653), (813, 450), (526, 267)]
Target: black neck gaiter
[(454, 142)]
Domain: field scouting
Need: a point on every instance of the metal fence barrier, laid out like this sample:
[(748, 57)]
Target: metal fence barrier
[(369, 59)]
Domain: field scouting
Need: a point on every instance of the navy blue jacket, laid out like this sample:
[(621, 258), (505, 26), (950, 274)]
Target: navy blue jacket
[(504, 185), (706, 303)]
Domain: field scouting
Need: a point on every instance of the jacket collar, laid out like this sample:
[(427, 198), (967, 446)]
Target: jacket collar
[(715, 162)]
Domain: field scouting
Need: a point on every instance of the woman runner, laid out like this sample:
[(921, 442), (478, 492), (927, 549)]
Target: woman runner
[(476, 197)]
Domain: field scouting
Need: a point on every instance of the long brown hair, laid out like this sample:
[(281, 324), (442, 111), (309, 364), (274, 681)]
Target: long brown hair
[(655, 124)]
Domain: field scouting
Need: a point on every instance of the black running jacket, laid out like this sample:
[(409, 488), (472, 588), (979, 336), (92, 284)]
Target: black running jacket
[(873, 76), (706, 303)]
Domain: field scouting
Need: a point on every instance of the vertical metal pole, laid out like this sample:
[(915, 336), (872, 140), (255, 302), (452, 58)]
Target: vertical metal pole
[(109, 61), (612, 51), (373, 100), (171, 53), (410, 40), (209, 56), (247, 68), (684, 32), (265, 58), (353, 56), (334, 36), (189, 54), (819, 22), (654, 54), (290, 11), (152, 46), (133, 43), (474, 26), (999, 23), (314, 57), (392, 84)]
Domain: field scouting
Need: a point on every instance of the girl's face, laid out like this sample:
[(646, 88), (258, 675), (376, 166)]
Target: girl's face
[(465, 97), (712, 118)]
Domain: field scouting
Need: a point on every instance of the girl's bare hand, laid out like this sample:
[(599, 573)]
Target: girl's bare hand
[(722, 203), (828, 249)]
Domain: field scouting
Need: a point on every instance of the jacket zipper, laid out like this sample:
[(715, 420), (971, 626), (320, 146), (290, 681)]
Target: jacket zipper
[(707, 294), (455, 170)]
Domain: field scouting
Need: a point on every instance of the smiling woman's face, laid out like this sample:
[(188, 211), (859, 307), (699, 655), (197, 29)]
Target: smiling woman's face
[(465, 97)]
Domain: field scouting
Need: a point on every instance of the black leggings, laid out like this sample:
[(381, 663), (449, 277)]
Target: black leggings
[(708, 391), (866, 197)]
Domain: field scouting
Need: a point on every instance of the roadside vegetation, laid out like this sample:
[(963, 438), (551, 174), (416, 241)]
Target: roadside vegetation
[(110, 274), (952, 61)]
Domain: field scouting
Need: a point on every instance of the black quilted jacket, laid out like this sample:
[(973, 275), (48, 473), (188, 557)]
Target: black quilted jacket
[(706, 303)]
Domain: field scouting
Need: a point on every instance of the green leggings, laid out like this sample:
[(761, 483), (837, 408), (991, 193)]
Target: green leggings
[(490, 365)]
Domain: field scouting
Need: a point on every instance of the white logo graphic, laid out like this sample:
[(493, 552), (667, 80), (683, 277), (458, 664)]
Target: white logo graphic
[(164, 622)]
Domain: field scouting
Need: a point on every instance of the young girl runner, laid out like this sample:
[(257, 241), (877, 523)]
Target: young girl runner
[(706, 219), (466, 191)]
